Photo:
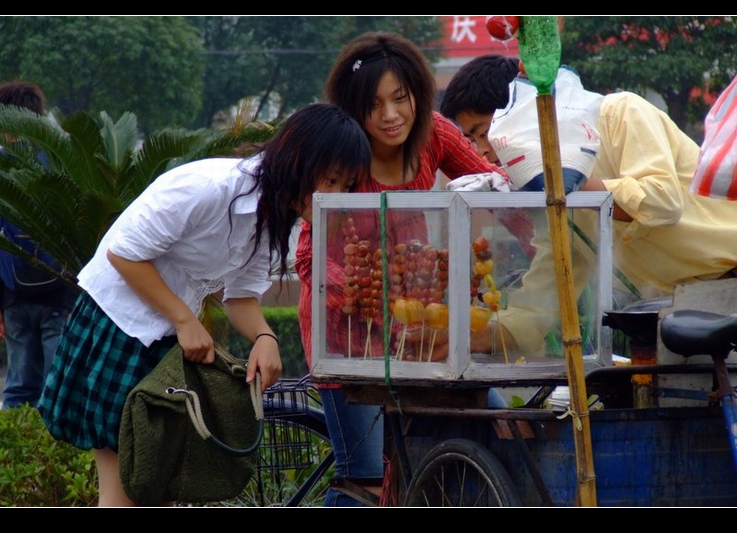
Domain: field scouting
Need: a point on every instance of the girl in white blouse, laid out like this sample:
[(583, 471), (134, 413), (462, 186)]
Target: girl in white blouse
[(201, 227)]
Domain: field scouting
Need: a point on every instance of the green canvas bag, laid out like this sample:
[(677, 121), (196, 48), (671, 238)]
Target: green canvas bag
[(189, 431)]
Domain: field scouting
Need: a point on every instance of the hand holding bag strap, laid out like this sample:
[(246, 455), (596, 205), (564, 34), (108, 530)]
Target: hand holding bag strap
[(256, 398), (192, 402)]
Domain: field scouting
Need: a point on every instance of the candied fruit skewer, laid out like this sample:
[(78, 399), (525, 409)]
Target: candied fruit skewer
[(408, 311), (350, 238), (436, 315), (483, 270)]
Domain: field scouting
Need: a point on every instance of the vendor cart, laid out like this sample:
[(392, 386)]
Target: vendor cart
[(661, 432)]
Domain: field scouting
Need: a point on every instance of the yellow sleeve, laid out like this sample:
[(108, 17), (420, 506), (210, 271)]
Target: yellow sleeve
[(645, 161), (533, 310)]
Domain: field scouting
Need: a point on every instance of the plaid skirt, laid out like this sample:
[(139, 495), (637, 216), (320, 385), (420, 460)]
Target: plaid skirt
[(94, 368)]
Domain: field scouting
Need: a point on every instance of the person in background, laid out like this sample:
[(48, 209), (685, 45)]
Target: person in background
[(205, 226), (35, 303), (384, 81), (663, 235)]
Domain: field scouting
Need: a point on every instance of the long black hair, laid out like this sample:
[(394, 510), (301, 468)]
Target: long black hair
[(311, 144), (354, 79)]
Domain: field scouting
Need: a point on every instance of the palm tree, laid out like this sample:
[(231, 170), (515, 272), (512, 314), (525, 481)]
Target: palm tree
[(95, 169)]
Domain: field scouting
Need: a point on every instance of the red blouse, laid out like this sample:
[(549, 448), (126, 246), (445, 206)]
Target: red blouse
[(448, 151)]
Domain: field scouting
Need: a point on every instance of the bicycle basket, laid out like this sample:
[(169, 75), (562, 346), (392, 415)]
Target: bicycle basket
[(287, 443), (287, 397)]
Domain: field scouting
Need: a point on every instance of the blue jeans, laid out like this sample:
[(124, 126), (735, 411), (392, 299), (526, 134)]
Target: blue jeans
[(32, 333), (357, 437), (572, 181)]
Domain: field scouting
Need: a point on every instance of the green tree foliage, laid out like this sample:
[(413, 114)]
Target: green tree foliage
[(95, 170), (266, 57), (180, 71), (284, 60), (151, 66), (670, 55)]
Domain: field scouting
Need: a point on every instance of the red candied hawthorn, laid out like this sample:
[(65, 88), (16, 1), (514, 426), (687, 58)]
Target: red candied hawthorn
[(502, 27)]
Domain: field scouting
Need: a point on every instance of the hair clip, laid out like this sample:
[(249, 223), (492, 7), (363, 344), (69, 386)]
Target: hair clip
[(357, 65)]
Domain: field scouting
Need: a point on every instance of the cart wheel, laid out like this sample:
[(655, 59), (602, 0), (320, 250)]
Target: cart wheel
[(461, 473)]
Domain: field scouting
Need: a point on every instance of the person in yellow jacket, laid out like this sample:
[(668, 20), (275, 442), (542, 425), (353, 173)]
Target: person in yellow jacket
[(663, 235)]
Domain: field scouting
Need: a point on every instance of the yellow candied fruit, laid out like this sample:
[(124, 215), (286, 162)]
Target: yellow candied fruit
[(491, 299), (479, 319), (436, 315), (482, 268)]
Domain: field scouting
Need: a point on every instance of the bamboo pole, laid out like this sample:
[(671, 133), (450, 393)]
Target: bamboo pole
[(572, 342)]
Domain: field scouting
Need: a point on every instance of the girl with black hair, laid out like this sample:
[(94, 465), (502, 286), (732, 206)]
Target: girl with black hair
[(202, 227)]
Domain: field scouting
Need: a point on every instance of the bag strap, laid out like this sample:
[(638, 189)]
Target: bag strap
[(192, 401), (256, 398)]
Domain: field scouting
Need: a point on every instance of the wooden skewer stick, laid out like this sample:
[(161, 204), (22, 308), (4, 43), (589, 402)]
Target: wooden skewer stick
[(368, 347), (402, 338), (422, 340), (501, 334), (432, 344)]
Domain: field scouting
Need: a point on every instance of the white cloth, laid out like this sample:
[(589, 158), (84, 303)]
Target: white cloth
[(515, 131), (488, 181), (185, 224)]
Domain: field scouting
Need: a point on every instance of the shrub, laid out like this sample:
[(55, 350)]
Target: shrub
[(285, 323), (37, 470)]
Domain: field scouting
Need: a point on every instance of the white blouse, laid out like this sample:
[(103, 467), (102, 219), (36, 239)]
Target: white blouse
[(184, 223)]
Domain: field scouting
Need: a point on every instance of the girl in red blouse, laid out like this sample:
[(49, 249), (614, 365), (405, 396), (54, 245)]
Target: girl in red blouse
[(385, 82)]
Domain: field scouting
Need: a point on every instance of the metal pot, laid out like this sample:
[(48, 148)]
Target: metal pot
[(639, 321)]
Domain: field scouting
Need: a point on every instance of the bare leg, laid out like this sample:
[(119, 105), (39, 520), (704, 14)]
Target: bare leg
[(111, 493)]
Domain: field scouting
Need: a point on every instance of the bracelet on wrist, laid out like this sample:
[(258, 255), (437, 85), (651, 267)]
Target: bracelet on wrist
[(266, 335)]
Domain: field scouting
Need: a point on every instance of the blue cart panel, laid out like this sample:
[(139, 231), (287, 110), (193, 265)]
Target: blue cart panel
[(642, 457)]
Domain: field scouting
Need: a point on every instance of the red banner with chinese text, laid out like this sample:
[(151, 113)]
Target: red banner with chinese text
[(466, 36)]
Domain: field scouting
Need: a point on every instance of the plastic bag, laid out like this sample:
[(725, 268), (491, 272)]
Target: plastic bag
[(716, 173), (515, 132), (489, 181)]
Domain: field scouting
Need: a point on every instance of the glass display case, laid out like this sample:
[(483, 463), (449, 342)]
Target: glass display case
[(414, 285)]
